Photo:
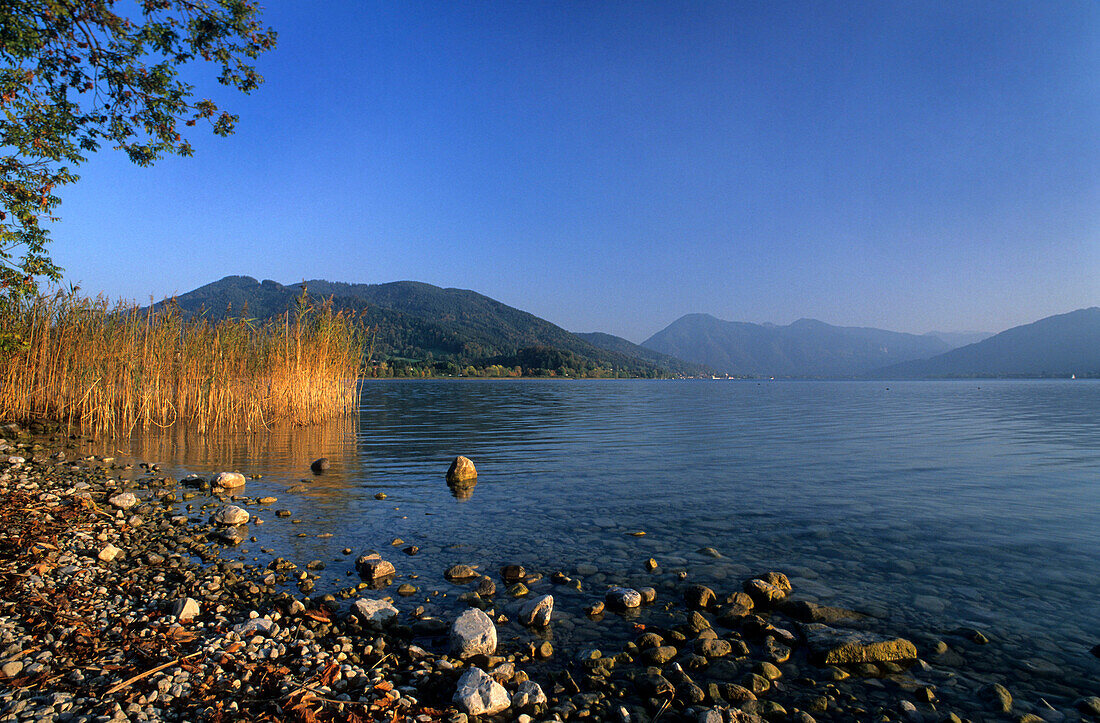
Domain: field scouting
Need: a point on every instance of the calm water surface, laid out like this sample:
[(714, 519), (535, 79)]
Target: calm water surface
[(930, 504)]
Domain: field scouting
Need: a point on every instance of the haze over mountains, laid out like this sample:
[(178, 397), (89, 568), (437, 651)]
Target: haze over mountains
[(421, 326)]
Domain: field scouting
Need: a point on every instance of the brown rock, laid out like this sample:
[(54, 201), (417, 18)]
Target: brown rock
[(461, 470)]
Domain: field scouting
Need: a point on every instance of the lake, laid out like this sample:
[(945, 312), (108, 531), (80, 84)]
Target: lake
[(932, 505)]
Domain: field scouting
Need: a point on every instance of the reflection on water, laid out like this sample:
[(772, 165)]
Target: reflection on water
[(935, 504)]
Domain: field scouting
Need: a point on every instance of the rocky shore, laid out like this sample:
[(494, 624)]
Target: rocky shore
[(117, 604)]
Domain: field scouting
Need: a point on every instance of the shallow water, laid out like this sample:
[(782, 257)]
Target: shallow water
[(930, 504)]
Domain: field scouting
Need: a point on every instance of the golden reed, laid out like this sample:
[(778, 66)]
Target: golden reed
[(109, 369)]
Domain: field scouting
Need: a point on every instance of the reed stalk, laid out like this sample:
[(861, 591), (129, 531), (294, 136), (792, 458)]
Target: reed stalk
[(113, 368)]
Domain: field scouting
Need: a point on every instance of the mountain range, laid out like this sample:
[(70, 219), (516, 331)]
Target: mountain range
[(421, 328)]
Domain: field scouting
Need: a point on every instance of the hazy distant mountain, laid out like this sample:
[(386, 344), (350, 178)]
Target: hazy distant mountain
[(420, 323), (955, 339), (618, 344), (1055, 346), (806, 348)]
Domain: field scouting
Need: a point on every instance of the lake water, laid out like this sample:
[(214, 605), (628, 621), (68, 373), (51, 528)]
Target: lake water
[(932, 505)]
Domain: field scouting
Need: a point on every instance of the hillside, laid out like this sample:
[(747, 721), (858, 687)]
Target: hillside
[(806, 348), (422, 326), (1057, 346), (610, 342)]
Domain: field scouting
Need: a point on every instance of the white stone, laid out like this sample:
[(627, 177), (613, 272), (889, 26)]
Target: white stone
[(623, 597), (109, 553), (473, 633), (537, 612), (254, 626), (184, 609), (231, 515), (15, 461), (529, 693), (374, 611), (228, 480), (124, 500), (479, 694)]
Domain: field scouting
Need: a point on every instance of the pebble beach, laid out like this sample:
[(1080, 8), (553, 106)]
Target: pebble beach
[(120, 602)]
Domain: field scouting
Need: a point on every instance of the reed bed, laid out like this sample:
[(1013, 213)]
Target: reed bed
[(110, 369)]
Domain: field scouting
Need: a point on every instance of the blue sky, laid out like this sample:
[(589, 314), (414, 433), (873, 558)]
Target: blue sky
[(613, 166)]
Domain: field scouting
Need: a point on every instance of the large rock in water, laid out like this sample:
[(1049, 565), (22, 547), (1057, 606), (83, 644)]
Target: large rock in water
[(231, 515), (829, 646), (473, 633), (228, 480), (537, 612), (373, 567), (810, 612), (479, 694), (461, 470)]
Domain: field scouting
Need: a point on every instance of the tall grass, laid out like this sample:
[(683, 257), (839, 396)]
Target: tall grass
[(109, 369)]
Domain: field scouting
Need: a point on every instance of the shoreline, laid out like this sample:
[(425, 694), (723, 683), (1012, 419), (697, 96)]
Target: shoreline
[(76, 625)]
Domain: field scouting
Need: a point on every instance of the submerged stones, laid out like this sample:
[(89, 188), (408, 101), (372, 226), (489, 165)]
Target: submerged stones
[(461, 470), (473, 633), (460, 573), (830, 646)]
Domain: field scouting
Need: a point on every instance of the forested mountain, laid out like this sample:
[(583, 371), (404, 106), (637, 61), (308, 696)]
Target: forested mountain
[(1056, 346), (806, 348), (421, 327)]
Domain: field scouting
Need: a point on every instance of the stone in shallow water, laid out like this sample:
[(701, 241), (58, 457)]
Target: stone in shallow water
[(622, 598), (473, 633), (997, 696), (460, 572), (810, 612), (763, 592), (372, 567), (537, 612), (231, 515), (461, 470), (320, 465), (479, 694), (699, 597), (228, 480), (830, 646)]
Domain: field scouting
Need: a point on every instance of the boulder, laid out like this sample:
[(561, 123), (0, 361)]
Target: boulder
[(124, 500), (478, 694), (461, 470), (537, 612), (231, 515), (193, 480), (621, 598), (374, 612), (319, 465), (473, 633), (228, 480), (371, 566), (830, 646)]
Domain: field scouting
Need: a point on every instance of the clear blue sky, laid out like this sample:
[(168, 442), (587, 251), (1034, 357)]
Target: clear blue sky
[(612, 166)]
